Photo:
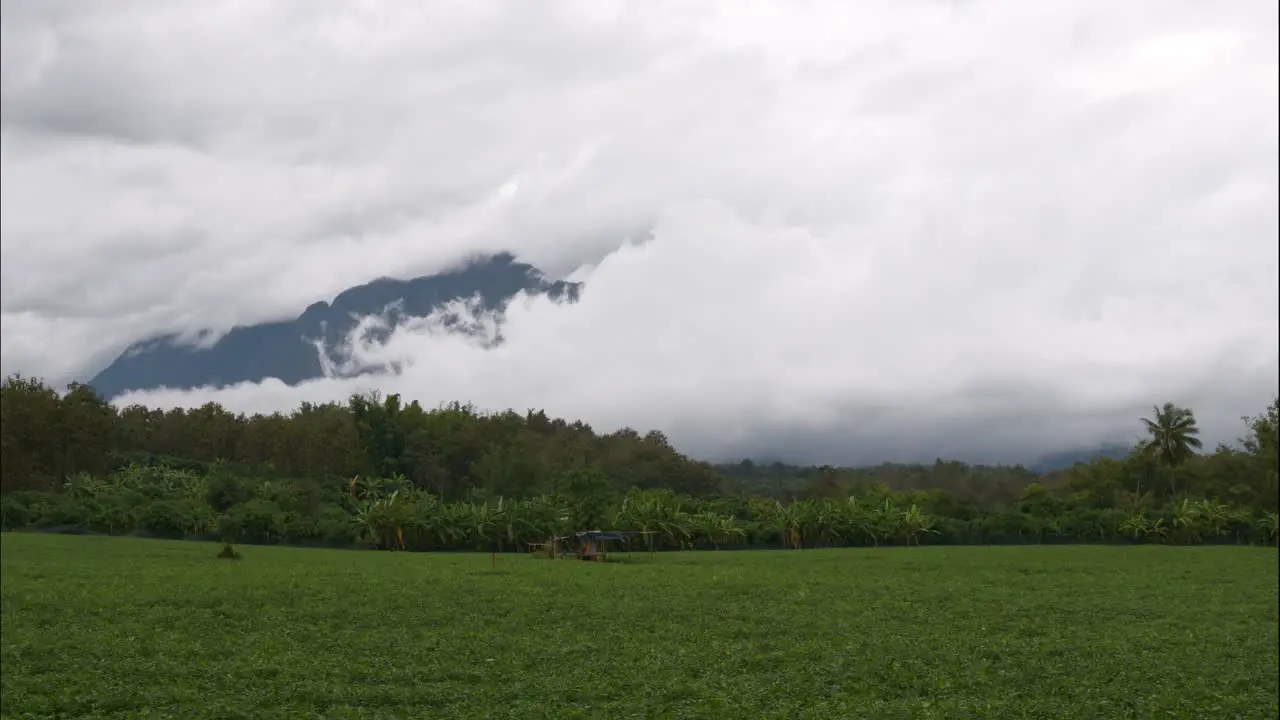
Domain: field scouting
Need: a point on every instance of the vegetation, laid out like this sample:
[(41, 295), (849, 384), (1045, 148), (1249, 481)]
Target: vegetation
[(376, 472), (117, 627), (100, 627)]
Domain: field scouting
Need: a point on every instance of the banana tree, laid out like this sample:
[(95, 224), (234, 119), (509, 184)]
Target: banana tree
[(888, 520), (1186, 522), (1269, 524), (728, 529), (383, 519), (361, 487), (715, 529), (1216, 519), (201, 518), (672, 523), (857, 520), (1136, 526), (915, 522), (437, 524), (84, 485), (823, 522), (521, 522), (482, 528), (1158, 530), (677, 529), (269, 491), (639, 513), (790, 524)]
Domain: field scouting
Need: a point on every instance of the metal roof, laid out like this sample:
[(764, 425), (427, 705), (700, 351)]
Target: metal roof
[(604, 535)]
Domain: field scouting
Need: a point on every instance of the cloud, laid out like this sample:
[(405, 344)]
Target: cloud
[(842, 231)]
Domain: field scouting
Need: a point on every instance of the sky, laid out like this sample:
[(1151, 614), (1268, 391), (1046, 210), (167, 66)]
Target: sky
[(817, 230)]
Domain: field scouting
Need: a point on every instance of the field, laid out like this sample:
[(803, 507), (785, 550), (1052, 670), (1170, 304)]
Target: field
[(97, 627)]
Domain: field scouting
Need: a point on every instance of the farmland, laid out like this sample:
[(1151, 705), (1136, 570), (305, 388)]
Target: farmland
[(122, 627)]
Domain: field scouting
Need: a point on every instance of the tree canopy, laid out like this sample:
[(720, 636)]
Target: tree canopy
[(385, 472)]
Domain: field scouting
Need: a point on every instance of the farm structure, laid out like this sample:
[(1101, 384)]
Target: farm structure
[(592, 545)]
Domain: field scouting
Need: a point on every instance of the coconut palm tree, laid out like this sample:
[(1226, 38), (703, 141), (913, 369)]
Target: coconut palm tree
[(1172, 438)]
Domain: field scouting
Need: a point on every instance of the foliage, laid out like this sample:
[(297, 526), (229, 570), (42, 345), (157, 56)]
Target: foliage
[(1172, 434), (379, 473)]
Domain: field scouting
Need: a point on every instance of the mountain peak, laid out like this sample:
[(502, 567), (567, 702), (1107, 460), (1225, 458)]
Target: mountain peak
[(287, 350)]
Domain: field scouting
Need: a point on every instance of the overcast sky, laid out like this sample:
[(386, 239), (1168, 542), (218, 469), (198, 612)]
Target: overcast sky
[(830, 230)]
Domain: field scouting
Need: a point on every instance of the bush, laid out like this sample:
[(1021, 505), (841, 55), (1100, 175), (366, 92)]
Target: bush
[(175, 518), (256, 521), (230, 528), (951, 531), (13, 513), (335, 526), (163, 518), (226, 491), (115, 514), (61, 511)]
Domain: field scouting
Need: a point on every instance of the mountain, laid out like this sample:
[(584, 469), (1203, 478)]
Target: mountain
[(287, 350), (1065, 459)]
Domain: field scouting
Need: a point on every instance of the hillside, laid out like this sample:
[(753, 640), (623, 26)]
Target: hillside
[(287, 350)]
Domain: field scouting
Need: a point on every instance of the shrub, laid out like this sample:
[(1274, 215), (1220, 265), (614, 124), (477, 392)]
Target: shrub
[(13, 512), (258, 521), (163, 518), (226, 491), (61, 511), (335, 527)]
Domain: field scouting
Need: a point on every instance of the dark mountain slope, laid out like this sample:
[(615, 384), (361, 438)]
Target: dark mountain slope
[(286, 350), (1065, 459)]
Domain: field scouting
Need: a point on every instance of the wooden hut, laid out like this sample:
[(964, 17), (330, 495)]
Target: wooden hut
[(593, 545)]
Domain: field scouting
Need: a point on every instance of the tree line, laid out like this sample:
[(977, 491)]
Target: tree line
[(376, 471)]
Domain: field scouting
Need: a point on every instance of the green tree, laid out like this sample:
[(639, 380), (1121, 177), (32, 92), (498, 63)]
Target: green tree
[(1172, 439), (1262, 444)]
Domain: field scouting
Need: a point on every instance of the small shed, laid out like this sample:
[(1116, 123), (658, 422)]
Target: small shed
[(594, 544)]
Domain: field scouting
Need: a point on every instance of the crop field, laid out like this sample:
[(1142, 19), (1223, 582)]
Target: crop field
[(99, 627)]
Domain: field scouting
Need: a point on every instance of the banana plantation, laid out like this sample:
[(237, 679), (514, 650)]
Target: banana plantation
[(393, 514)]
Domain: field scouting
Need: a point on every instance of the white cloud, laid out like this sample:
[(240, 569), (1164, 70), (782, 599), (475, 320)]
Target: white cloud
[(878, 229)]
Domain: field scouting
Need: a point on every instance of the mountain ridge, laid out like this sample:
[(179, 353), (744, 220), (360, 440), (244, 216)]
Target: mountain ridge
[(294, 351)]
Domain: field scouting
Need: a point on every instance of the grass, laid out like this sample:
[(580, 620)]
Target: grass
[(97, 627)]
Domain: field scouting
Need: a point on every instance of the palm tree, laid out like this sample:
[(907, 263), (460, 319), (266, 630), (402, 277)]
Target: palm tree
[(1172, 437)]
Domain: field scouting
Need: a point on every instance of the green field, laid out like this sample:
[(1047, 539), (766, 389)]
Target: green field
[(113, 627)]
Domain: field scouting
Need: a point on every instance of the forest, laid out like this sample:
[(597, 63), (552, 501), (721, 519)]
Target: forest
[(379, 472)]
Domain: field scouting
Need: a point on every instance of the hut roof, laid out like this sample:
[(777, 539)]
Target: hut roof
[(604, 535)]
